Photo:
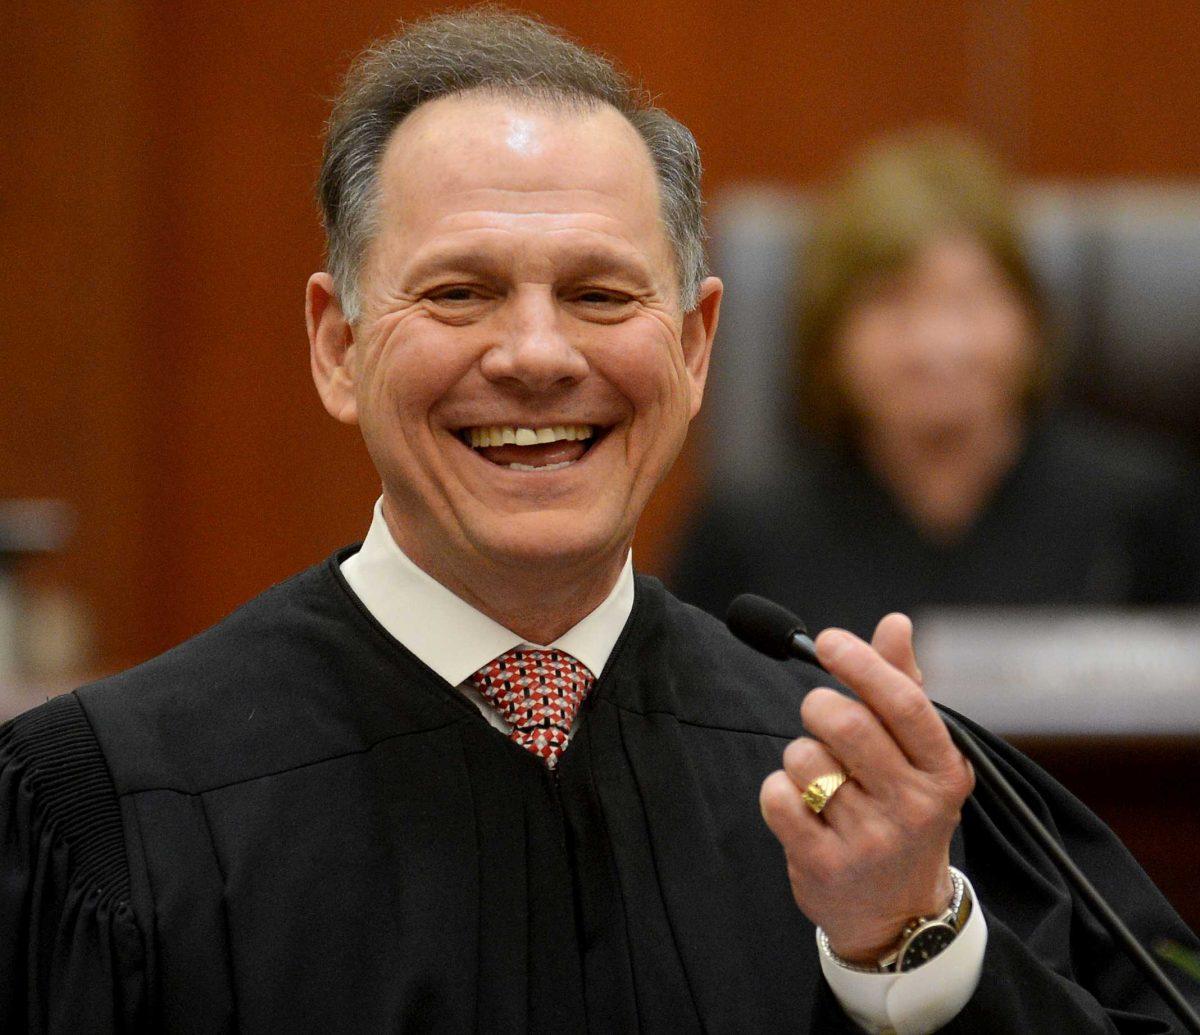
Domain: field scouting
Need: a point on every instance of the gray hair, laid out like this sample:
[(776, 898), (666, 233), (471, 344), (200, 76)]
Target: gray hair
[(505, 53)]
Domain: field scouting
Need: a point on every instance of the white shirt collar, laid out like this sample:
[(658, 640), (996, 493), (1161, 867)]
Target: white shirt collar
[(447, 633)]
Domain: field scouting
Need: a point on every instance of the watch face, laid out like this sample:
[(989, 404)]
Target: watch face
[(927, 942)]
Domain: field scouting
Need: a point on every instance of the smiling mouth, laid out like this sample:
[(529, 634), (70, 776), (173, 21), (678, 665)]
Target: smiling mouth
[(519, 448)]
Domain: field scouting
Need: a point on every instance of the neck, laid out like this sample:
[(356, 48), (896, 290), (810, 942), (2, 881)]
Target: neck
[(943, 480), (537, 601)]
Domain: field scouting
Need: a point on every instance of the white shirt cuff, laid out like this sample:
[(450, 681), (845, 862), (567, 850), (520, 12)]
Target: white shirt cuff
[(919, 1001)]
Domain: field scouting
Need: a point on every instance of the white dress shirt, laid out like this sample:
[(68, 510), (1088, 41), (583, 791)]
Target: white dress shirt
[(455, 640)]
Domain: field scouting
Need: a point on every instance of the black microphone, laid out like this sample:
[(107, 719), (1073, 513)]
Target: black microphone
[(773, 630)]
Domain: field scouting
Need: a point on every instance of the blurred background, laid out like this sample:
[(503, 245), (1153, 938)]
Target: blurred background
[(165, 456)]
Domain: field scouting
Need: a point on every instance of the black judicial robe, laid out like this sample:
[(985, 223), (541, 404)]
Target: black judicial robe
[(289, 823)]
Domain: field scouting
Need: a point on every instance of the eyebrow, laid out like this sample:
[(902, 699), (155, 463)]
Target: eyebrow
[(440, 263), (600, 263), (575, 265)]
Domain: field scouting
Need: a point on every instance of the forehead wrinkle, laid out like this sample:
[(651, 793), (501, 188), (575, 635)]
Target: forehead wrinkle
[(520, 191), (631, 193), (577, 204), (460, 218), (628, 237), (518, 222)]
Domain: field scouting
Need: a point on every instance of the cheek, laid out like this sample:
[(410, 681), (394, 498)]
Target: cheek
[(409, 374), (647, 370), (866, 357), (1009, 346)]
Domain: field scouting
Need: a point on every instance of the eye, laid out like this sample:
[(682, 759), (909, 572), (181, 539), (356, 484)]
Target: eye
[(458, 303), (601, 298), (600, 305), (454, 293)]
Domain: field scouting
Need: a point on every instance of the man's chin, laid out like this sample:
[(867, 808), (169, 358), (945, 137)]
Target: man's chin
[(551, 543)]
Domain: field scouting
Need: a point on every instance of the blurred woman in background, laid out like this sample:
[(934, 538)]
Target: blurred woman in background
[(929, 471)]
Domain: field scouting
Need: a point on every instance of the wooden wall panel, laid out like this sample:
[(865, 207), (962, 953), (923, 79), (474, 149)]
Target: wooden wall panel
[(157, 227), (1114, 90), (76, 381), (261, 481)]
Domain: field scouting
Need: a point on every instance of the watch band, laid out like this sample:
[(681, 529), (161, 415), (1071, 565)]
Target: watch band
[(922, 938)]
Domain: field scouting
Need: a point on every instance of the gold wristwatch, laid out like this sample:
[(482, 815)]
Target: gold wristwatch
[(923, 937)]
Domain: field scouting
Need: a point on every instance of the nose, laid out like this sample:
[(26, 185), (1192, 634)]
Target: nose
[(945, 338), (532, 350)]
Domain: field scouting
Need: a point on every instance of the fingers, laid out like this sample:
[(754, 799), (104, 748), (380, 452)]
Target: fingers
[(848, 807), (788, 815), (877, 853), (799, 830), (804, 759), (893, 639), (853, 734), (895, 698)]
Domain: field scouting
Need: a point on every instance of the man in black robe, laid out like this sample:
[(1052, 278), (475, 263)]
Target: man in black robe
[(476, 775)]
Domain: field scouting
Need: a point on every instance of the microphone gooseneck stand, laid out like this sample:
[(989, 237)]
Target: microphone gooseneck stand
[(776, 632)]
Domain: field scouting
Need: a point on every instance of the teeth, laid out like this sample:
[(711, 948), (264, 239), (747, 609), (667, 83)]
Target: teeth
[(510, 435), (548, 467)]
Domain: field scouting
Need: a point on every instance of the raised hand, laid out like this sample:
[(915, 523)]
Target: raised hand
[(878, 853)]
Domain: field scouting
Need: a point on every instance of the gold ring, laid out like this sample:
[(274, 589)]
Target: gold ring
[(817, 794)]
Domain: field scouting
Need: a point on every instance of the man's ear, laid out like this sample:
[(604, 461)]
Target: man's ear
[(699, 329), (331, 348)]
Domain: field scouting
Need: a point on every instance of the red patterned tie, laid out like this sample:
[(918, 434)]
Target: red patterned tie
[(537, 692)]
